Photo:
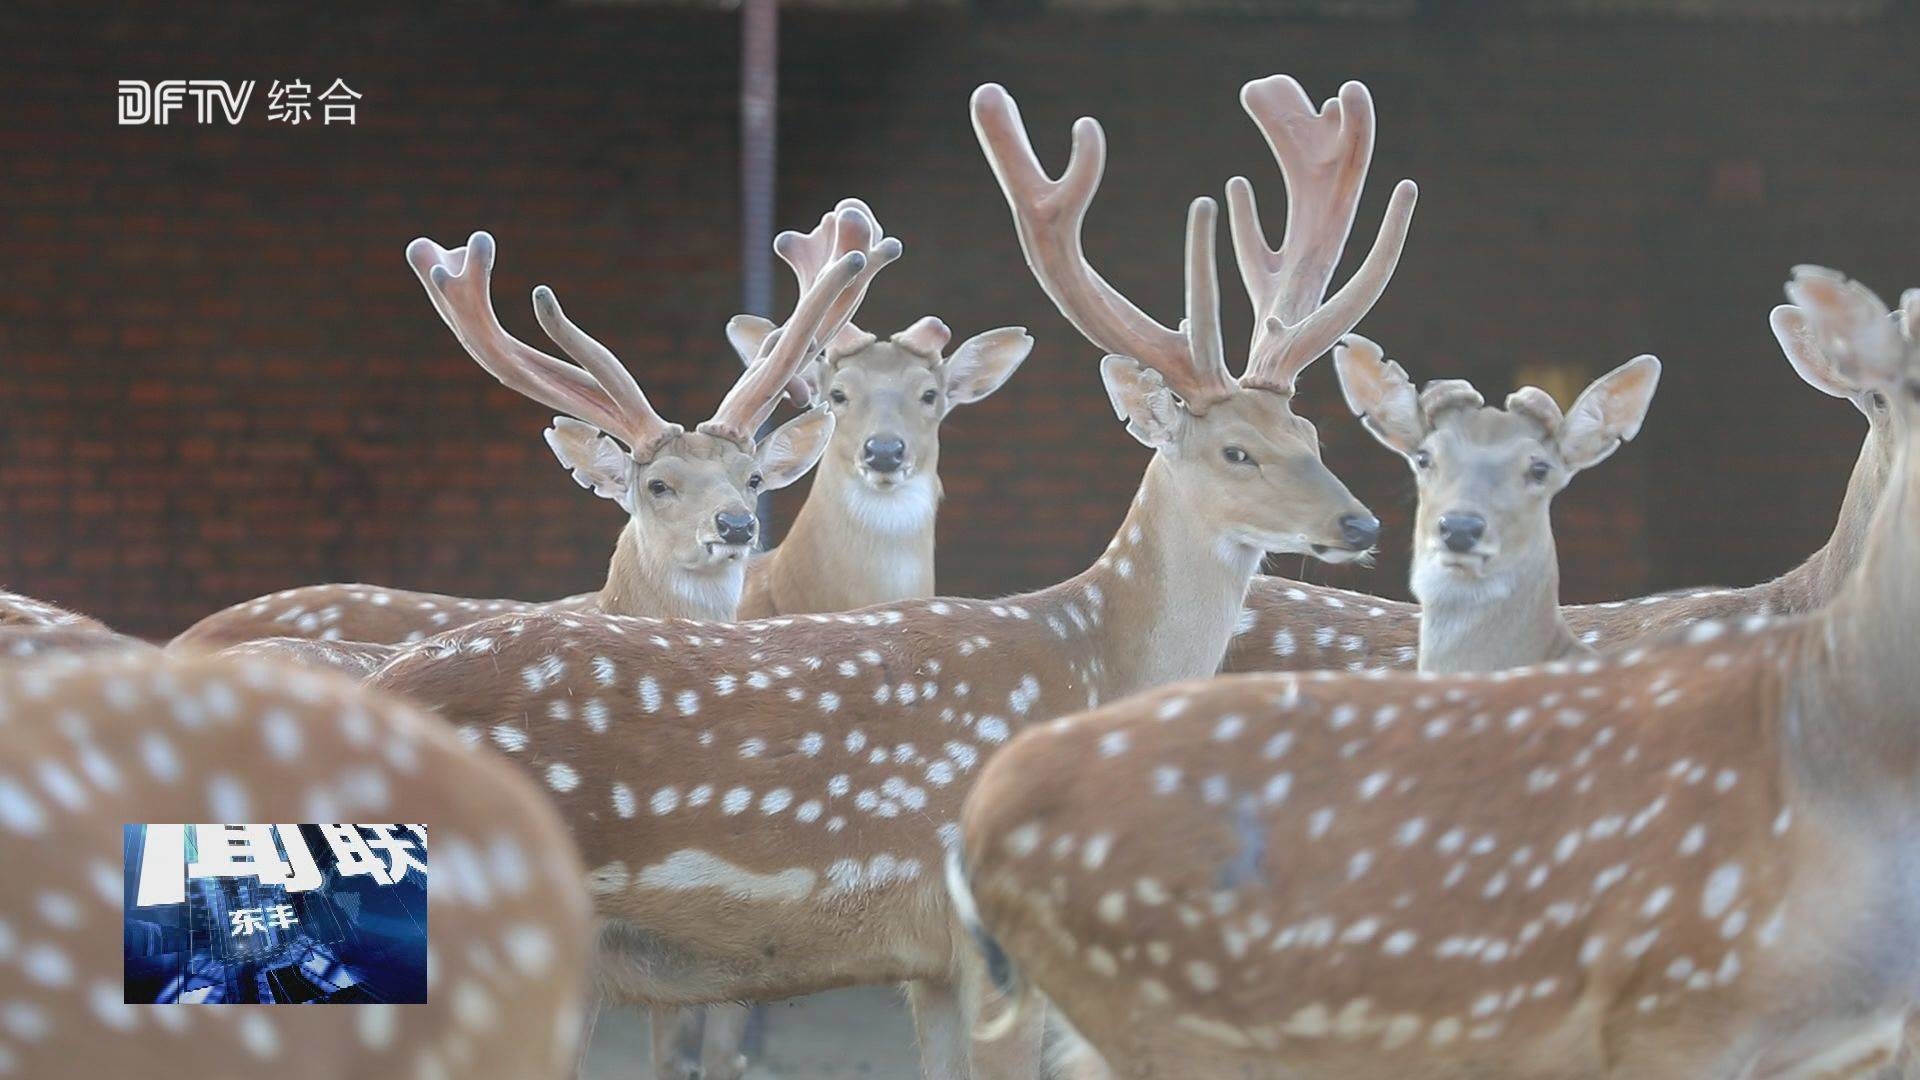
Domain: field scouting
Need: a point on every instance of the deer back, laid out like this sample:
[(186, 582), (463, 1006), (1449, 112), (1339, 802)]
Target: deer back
[(349, 612), (355, 659), (93, 743), (1324, 875), (711, 772), (1296, 626)]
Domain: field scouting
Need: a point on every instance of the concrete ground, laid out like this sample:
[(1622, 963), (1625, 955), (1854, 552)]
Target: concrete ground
[(859, 1034)]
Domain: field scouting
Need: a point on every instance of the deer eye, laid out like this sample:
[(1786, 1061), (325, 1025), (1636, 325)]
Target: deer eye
[(1422, 459), (1537, 471), (1879, 399), (1237, 456), (754, 481), (838, 396), (658, 487), (930, 397)]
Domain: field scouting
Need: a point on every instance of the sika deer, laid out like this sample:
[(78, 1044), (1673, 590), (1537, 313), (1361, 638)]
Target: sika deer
[(1692, 860), (92, 743), (30, 627), (865, 534), (1294, 626), (689, 495), (764, 802), (1484, 565)]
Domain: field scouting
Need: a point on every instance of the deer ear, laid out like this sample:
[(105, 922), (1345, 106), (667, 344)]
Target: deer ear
[(1608, 413), (1809, 360), (1851, 324), (792, 449), (984, 362), (596, 461), (1140, 397), (1380, 394)]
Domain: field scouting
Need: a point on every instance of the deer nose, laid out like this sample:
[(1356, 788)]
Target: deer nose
[(734, 526), (884, 453), (1460, 532), (1360, 531)]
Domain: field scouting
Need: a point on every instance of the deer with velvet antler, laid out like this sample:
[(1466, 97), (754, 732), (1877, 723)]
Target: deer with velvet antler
[(766, 804), (689, 495), (1691, 859), (865, 534), (1295, 626)]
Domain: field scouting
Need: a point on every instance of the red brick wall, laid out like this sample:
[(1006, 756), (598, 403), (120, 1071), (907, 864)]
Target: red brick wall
[(218, 378)]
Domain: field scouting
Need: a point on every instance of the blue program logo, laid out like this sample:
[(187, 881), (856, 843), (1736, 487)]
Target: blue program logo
[(275, 914)]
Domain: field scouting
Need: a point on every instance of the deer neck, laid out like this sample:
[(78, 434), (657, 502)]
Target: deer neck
[(1507, 619), (647, 584), (1168, 590), (851, 546), (1815, 582), (1857, 680)]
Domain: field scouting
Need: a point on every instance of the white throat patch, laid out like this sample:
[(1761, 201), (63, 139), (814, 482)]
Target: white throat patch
[(715, 594), (908, 508)]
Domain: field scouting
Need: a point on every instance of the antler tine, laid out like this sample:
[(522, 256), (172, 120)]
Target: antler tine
[(1048, 215), (1323, 157), (644, 426), (459, 282), (1202, 324), (759, 388), (851, 226)]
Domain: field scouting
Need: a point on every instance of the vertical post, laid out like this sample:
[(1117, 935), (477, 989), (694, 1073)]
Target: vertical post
[(759, 98)]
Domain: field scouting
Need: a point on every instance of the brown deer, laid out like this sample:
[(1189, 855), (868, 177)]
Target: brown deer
[(766, 804), (1293, 626), (1691, 860), (688, 495), (865, 533), (1484, 565), (92, 743), (30, 627)]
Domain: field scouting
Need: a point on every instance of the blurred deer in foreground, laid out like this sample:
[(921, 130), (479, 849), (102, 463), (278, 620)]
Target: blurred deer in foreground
[(689, 495), (1691, 860), (30, 627), (1294, 626), (92, 743), (1484, 565), (766, 804), (865, 533)]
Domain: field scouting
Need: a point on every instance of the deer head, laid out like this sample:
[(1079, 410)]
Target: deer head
[(1235, 440), (1841, 377), (889, 396), (690, 494), (1487, 477)]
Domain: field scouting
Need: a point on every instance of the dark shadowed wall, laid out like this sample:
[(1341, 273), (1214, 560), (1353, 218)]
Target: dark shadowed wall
[(218, 377)]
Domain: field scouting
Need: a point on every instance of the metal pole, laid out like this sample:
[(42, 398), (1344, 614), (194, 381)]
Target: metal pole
[(759, 99)]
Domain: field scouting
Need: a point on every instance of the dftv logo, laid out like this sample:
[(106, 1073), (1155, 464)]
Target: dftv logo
[(142, 102)]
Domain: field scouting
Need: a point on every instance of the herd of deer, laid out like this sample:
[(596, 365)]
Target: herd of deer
[(1485, 836)]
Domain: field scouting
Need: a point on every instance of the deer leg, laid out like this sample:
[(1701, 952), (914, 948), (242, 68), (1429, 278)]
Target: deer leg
[(1014, 1054), (587, 1023), (676, 1042), (723, 1056), (1070, 1057), (942, 1027)]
